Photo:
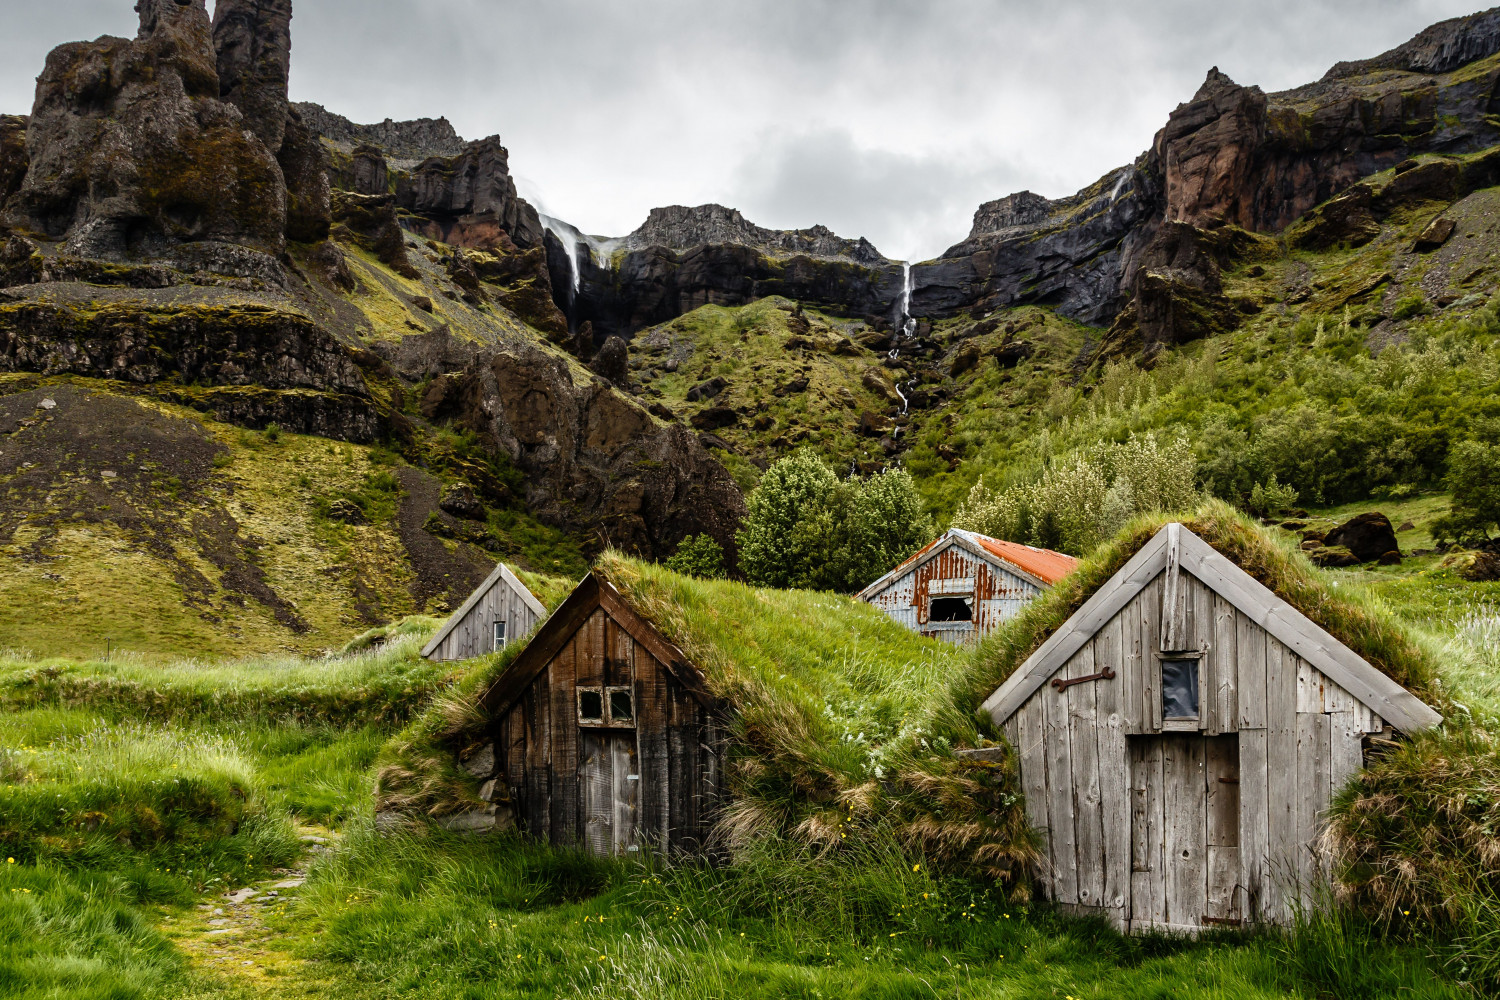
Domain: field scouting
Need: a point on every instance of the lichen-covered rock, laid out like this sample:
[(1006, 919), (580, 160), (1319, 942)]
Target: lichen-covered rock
[(471, 200), (21, 263), (595, 460), (369, 173), (132, 151), (372, 219), (1369, 536), (304, 169)]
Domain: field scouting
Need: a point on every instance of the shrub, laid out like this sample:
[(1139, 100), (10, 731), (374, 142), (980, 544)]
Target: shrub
[(1272, 499), (700, 556), (1474, 480), (1087, 496), (806, 529)]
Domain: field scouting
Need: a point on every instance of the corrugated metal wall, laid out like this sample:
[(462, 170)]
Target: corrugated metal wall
[(998, 594)]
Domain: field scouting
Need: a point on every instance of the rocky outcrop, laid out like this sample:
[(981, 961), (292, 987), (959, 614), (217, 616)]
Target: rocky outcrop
[(371, 221), (470, 200), (679, 228), (595, 460), (1441, 48), (132, 151), (405, 143), (253, 46), (1024, 208), (304, 169)]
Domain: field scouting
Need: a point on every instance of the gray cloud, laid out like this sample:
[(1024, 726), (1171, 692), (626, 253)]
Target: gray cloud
[(890, 119)]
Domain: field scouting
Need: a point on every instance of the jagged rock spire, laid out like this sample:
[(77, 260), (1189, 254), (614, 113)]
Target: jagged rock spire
[(253, 39)]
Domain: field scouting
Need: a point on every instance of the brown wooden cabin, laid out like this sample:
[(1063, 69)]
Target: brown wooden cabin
[(604, 734), (1181, 737)]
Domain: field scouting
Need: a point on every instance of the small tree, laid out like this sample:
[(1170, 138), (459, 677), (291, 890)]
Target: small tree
[(805, 528), (1272, 499), (700, 556), (1474, 480)]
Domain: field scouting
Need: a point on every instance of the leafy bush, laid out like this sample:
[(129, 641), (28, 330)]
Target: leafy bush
[(700, 556), (1474, 480), (1272, 499), (1087, 496), (807, 529)]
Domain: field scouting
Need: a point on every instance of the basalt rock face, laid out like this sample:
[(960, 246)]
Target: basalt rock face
[(1441, 48), (596, 461), (679, 228), (13, 156), (406, 143), (470, 200), (656, 284), (253, 45), (131, 151)]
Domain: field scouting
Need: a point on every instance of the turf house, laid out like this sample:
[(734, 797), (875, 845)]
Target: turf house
[(965, 585), (1181, 736), (501, 610)]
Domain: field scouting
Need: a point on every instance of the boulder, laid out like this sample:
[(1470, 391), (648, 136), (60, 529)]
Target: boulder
[(1438, 232), (714, 418), (875, 424), (707, 390), (1012, 352), (613, 361), (966, 358), (21, 262), (1347, 220), (1368, 536), (1333, 557), (460, 501), (1483, 568)]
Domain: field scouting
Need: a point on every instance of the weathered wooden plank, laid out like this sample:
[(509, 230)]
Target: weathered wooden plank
[(1060, 796), (1250, 649), (567, 822), (538, 707), (1183, 769), (1346, 755), (596, 791), (513, 746), (1083, 739), (651, 735), (1314, 784), (625, 789), (1151, 677), (1223, 834), (1079, 629), (1031, 745), (1200, 637), (1311, 689), (1148, 864), (1225, 699), (1254, 820), (1134, 655), (1114, 781), (1281, 776), (1173, 600)]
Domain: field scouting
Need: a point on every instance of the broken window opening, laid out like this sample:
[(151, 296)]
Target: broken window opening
[(591, 706), (1179, 689), (621, 706), (951, 609)]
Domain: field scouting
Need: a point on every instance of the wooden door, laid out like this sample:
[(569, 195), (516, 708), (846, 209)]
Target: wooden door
[(609, 784), (1185, 855)]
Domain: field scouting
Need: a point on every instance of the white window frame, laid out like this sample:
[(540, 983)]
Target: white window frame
[(500, 636)]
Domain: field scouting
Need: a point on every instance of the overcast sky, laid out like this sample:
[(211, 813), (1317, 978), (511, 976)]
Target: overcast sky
[(887, 119)]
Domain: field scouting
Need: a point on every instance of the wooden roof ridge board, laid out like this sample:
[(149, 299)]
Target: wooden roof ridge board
[(950, 538), (1255, 600), (593, 592), (501, 572)]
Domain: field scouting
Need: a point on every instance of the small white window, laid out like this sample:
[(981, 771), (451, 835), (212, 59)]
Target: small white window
[(499, 636)]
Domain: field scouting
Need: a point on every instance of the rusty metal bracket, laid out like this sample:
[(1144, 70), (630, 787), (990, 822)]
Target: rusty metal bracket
[(1107, 674)]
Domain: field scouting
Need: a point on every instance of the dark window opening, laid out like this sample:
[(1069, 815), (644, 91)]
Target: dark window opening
[(499, 643), (590, 705), (1179, 689), (951, 609), (621, 706)]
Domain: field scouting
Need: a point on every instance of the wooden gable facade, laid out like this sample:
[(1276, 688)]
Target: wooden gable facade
[(500, 611), (1181, 737), (965, 585), (605, 735)]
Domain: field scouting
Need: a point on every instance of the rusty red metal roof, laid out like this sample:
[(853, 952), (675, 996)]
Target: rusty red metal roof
[(1044, 564)]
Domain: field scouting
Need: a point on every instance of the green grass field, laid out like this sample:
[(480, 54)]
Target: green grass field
[(135, 795)]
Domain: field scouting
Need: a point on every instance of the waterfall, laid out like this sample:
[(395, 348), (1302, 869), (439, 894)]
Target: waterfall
[(571, 239), (908, 324), (1120, 184)]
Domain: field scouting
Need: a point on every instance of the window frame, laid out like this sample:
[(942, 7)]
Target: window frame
[(1181, 723), (968, 599), (606, 718), (499, 636)]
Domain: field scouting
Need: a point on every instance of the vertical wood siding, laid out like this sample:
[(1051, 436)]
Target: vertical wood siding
[(612, 789), (999, 595), (1139, 826), (475, 634)]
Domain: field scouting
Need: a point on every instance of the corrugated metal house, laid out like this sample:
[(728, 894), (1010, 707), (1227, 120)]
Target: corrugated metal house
[(500, 610), (966, 585), (1180, 738)]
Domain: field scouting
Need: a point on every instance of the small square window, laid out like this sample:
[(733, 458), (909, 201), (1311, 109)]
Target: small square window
[(1179, 689), (591, 706), (499, 637), (621, 705), (951, 609)]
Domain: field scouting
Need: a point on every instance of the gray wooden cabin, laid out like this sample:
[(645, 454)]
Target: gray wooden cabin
[(499, 611), (605, 735), (1181, 737)]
